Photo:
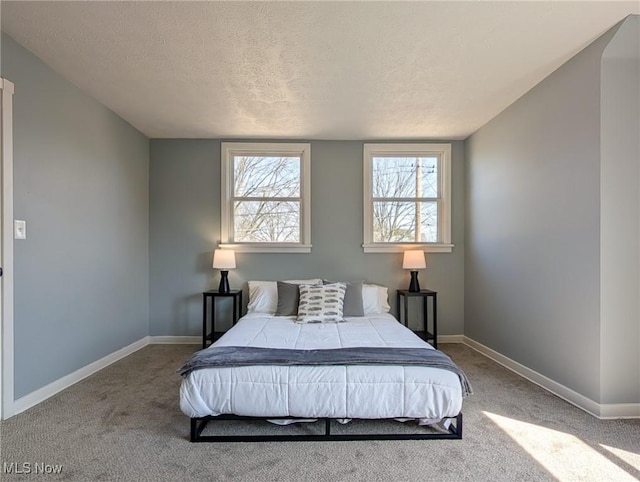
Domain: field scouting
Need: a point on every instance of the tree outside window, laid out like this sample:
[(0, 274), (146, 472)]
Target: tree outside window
[(407, 197), (265, 199)]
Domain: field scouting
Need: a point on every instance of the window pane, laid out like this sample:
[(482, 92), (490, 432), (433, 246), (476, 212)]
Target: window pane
[(266, 222), (428, 222), (398, 177), (394, 222), (260, 176)]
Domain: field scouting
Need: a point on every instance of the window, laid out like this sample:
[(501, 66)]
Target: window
[(266, 197), (407, 197)]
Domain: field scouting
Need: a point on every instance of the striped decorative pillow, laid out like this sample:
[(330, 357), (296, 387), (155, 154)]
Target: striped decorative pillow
[(321, 303)]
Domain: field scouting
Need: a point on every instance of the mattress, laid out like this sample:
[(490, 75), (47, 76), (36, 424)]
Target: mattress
[(343, 392)]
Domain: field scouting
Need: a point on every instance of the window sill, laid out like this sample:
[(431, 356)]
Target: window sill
[(399, 248), (268, 248)]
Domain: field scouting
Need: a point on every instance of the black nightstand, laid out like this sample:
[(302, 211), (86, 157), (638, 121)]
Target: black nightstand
[(213, 335), (426, 335)]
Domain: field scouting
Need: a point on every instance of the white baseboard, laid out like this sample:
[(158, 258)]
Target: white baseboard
[(41, 394), (175, 340), (619, 410), (602, 411)]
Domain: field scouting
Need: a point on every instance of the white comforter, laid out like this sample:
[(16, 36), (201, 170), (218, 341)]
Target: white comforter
[(429, 394)]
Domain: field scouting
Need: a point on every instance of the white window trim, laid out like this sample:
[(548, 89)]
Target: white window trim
[(444, 215), (228, 149)]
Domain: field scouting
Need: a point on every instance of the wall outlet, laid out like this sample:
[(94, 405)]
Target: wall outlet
[(19, 229)]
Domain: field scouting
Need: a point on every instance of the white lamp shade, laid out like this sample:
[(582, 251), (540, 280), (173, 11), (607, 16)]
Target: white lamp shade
[(224, 259), (414, 260)]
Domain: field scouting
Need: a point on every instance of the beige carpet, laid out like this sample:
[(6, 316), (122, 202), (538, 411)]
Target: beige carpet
[(124, 424)]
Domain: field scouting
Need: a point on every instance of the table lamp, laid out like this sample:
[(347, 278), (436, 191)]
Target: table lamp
[(413, 261), (224, 260)]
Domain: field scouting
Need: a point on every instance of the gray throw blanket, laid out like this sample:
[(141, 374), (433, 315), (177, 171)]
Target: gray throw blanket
[(240, 356)]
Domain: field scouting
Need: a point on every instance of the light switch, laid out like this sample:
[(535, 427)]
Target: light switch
[(19, 229)]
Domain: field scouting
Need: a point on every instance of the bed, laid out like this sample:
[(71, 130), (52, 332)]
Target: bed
[(284, 393)]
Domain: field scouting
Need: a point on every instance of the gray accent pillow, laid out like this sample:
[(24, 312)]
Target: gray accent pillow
[(353, 305), (288, 299)]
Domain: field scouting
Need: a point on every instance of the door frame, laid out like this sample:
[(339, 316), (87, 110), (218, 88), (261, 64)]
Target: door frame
[(6, 252)]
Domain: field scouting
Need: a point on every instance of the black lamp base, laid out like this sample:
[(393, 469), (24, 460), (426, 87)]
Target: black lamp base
[(414, 286), (224, 282)]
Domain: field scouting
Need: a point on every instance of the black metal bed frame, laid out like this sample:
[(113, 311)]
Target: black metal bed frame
[(198, 425)]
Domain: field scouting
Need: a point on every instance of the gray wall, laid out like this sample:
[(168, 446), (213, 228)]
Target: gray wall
[(81, 183), (532, 267), (185, 228), (620, 216)]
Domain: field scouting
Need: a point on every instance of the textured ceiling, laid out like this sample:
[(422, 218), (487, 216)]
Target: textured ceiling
[(312, 70)]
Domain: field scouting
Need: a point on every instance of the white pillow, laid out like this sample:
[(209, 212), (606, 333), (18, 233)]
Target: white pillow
[(321, 303), (263, 295), (375, 299)]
